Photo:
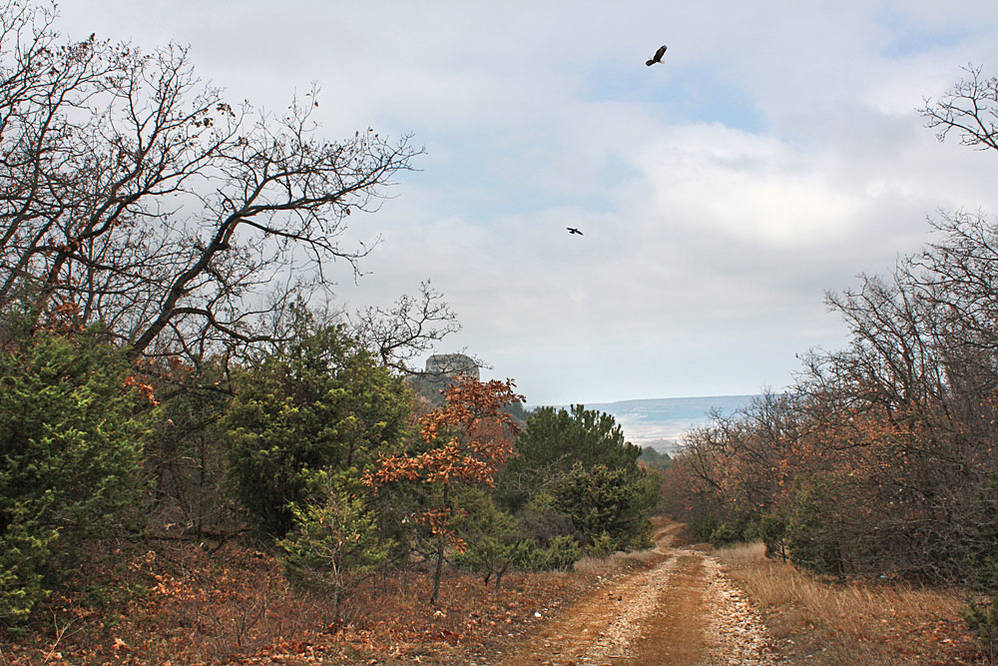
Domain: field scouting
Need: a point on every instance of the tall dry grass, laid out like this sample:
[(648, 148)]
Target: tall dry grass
[(617, 563), (856, 622), (665, 532)]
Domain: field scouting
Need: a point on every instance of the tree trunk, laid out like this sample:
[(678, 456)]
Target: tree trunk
[(501, 573), (439, 567), (337, 603)]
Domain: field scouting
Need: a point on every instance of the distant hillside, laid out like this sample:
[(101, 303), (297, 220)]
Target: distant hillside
[(660, 422)]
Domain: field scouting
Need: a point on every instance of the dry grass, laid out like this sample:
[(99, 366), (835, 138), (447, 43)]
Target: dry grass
[(857, 622), (664, 532), (743, 552), (617, 563)]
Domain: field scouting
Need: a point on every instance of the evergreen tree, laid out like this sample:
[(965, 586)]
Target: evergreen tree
[(319, 404), (73, 422)]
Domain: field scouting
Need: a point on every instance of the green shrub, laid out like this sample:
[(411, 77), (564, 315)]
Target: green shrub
[(704, 526), (553, 442), (723, 534), (186, 454), (812, 541), (561, 554), (772, 531), (320, 403), (71, 439), (26, 547), (601, 546), (493, 541), (983, 618), (542, 521), (334, 544), (603, 500), (575, 476), (983, 621)]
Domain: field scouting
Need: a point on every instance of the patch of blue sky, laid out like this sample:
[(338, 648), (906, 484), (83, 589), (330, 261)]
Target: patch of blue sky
[(478, 199), (909, 38), (685, 94), (484, 176)]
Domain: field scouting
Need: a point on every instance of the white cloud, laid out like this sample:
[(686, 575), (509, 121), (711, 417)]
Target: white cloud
[(774, 154), (752, 189)]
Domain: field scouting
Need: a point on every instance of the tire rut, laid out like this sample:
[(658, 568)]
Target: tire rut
[(682, 610)]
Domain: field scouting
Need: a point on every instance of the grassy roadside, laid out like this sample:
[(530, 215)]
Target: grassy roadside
[(821, 621)]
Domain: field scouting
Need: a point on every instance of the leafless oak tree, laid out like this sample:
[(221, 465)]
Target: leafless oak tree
[(133, 194), (969, 108)]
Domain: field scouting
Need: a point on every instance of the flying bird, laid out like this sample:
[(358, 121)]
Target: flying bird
[(658, 55), (573, 230)]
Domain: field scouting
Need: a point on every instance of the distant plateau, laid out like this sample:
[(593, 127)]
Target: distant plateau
[(661, 422)]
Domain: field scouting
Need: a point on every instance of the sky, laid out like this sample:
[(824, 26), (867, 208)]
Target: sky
[(775, 154)]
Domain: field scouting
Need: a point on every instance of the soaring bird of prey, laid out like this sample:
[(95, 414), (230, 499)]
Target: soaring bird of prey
[(573, 230), (658, 55)]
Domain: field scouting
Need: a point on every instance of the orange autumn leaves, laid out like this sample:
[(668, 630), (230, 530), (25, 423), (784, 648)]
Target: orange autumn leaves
[(469, 436), (473, 438)]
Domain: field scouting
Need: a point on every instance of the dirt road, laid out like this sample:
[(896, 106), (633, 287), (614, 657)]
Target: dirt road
[(681, 610)]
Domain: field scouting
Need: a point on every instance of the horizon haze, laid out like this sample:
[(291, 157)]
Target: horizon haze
[(661, 422)]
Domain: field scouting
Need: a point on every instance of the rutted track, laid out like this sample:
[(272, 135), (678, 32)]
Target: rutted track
[(681, 610)]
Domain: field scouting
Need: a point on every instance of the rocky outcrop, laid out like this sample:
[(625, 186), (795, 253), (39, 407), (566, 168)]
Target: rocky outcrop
[(451, 365), (441, 371)]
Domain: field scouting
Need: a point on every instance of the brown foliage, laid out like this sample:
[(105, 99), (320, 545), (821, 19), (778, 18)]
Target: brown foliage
[(469, 437), (473, 437)]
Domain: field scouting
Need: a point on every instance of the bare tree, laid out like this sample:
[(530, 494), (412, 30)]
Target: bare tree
[(969, 108), (881, 457), (133, 194), (407, 329)]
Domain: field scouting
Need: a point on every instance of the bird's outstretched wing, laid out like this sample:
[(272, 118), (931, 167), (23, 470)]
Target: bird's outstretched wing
[(573, 230), (658, 55)]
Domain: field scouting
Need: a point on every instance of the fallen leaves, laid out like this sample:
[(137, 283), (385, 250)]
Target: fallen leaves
[(236, 607)]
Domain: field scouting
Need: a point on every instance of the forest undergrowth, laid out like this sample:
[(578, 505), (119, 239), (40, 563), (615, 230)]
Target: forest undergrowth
[(184, 604)]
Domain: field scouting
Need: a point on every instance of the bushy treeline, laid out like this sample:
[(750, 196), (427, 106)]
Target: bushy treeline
[(881, 459), (313, 446)]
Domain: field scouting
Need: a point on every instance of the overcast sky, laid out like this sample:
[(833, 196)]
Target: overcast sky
[(775, 154)]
